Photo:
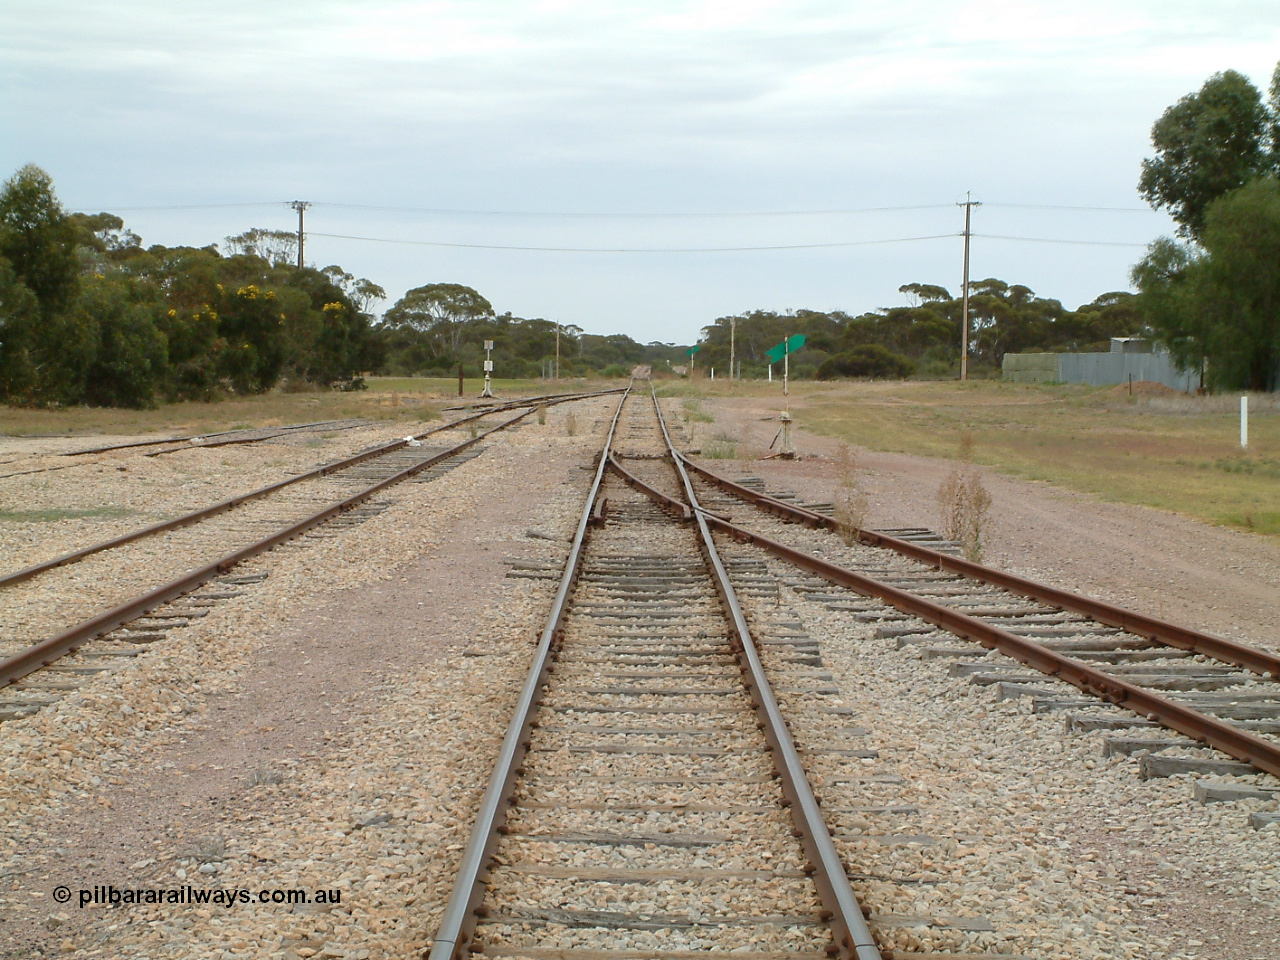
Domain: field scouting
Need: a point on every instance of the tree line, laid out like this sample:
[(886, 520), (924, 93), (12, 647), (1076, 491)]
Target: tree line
[(87, 316), (90, 316)]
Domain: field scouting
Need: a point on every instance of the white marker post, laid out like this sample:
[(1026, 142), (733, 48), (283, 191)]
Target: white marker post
[(1244, 423)]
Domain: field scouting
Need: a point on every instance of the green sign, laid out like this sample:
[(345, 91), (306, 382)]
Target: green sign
[(790, 345), (693, 350)]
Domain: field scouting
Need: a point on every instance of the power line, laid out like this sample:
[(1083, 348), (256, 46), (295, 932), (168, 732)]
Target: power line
[(546, 214), (496, 246), (672, 216), (1081, 243), (1056, 206), (560, 214), (194, 206), (747, 249)]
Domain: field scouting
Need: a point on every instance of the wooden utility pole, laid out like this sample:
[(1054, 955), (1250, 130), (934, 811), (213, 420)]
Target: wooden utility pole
[(968, 205), (300, 206)]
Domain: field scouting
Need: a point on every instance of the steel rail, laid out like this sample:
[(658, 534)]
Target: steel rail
[(1258, 661), (47, 651), (461, 914), (853, 938), (241, 441), (223, 506), (1252, 749)]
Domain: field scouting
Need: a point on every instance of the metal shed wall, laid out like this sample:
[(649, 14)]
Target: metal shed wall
[(1097, 369)]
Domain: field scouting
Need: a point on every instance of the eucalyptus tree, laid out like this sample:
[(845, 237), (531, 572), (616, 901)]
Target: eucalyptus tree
[(1207, 144)]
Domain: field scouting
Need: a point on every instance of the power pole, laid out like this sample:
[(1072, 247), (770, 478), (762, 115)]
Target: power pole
[(300, 206), (557, 351), (968, 205)]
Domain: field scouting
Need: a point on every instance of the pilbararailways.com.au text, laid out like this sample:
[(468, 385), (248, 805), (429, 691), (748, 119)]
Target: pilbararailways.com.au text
[(112, 896)]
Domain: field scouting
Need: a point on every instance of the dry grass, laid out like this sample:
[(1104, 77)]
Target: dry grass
[(964, 503), (850, 501), (693, 412), (721, 446)]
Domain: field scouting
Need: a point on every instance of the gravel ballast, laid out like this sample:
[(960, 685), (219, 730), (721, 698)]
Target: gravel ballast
[(350, 753)]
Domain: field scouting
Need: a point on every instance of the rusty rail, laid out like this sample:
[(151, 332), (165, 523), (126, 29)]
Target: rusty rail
[(1184, 638), (241, 441), (47, 651)]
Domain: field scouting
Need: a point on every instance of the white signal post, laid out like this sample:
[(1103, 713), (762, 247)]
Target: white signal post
[(488, 369), (1244, 423)]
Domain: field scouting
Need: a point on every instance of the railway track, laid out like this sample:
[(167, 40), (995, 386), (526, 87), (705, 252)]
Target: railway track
[(117, 597), (178, 444), (1214, 692), (654, 793)]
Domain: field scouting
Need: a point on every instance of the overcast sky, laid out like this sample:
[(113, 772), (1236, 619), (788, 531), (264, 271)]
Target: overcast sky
[(459, 126)]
